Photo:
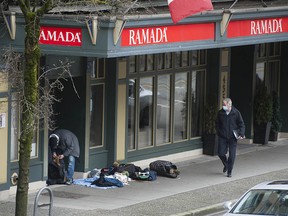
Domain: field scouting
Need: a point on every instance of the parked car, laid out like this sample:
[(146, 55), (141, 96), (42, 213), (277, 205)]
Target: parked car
[(267, 198)]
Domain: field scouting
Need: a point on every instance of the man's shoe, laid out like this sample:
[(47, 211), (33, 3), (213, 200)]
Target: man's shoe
[(224, 169), (229, 175), (69, 182)]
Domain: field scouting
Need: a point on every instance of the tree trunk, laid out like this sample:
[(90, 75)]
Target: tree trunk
[(31, 65)]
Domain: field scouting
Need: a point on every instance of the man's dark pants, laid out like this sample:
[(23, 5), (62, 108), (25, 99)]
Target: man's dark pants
[(223, 146)]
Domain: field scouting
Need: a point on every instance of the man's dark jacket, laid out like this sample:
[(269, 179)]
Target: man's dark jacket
[(225, 124), (68, 142)]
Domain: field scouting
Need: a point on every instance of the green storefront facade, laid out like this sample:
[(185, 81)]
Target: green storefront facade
[(142, 82)]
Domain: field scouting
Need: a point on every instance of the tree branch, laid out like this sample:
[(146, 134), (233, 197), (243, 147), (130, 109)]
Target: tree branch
[(23, 5), (47, 6)]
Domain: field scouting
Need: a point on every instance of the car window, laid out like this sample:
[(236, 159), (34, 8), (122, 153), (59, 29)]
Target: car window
[(263, 202)]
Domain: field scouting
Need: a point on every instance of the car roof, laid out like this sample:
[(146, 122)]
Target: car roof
[(272, 185)]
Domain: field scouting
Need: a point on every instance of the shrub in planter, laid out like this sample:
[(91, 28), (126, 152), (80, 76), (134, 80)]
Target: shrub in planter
[(210, 143), (262, 115), (276, 120)]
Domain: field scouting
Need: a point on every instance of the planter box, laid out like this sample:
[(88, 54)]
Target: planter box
[(261, 133), (273, 136), (210, 144)]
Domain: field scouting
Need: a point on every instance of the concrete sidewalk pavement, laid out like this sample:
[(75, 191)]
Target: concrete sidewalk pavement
[(200, 189)]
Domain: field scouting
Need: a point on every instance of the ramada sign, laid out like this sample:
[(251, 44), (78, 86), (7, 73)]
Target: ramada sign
[(167, 34), (202, 31), (60, 36), (257, 27)]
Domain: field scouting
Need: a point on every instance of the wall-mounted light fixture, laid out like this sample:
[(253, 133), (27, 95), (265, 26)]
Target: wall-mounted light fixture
[(14, 179)]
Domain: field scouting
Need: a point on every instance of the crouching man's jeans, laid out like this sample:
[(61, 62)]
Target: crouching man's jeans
[(70, 168)]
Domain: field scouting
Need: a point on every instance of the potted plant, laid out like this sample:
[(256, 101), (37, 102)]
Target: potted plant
[(276, 120), (262, 115), (210, 143)]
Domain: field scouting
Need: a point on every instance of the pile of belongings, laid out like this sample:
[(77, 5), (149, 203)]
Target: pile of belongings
[(130, 170), (120, 174), (133, 171)]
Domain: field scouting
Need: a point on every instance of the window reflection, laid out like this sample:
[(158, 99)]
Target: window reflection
[(142, 62), (160, 61), (260, 74), (96, 115), (145, 114), (273, 76), (181, 59), (150, 62), (199, 57), (168, 60), (159, 110), (131, 114), (180, 107), (261, 50), (268, 76), (163, 109), (15, 113), (197, 91), (132, 64), (16, 129)]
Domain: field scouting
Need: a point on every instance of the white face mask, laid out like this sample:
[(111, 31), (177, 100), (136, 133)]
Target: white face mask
[(225, 108)]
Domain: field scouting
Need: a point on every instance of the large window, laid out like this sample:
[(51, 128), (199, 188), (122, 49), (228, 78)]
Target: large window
[(180, 106), (163, 119), (165, 98), (96, 115), (96, 70), (145, 111), (15, 130), (197, 100), (268, 66), (15, 122)]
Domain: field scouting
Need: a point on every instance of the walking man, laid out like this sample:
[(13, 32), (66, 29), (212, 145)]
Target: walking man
[(230, 127), (66, 142)]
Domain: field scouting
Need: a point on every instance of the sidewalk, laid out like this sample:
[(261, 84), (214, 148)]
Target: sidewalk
[(200, 189)]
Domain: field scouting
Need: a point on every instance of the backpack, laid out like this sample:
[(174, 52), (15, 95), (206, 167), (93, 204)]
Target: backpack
[(164, 168), (130, 168), (56, 172)]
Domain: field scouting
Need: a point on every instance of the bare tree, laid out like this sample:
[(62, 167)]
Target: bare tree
[(30, 71), (43, 111)]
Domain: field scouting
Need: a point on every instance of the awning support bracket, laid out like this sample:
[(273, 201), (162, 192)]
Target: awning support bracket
[(92, 26), (119, 26), (227, 15)]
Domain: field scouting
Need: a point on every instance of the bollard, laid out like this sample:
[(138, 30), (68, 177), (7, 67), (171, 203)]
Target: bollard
[(50, 204)]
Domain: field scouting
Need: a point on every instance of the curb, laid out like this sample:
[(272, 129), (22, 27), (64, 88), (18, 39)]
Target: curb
[(202, 211)]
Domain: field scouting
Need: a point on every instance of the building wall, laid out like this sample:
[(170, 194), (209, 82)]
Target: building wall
[(4, 125)]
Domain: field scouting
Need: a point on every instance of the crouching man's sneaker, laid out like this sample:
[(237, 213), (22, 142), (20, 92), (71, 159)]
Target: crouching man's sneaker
[(69, 181)]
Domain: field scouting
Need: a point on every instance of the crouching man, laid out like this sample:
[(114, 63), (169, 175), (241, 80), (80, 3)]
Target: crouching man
[(67, 142)]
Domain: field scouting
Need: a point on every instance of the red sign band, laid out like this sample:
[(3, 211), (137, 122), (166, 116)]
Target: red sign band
[(60, 36), (167, 34), (257, 27)]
